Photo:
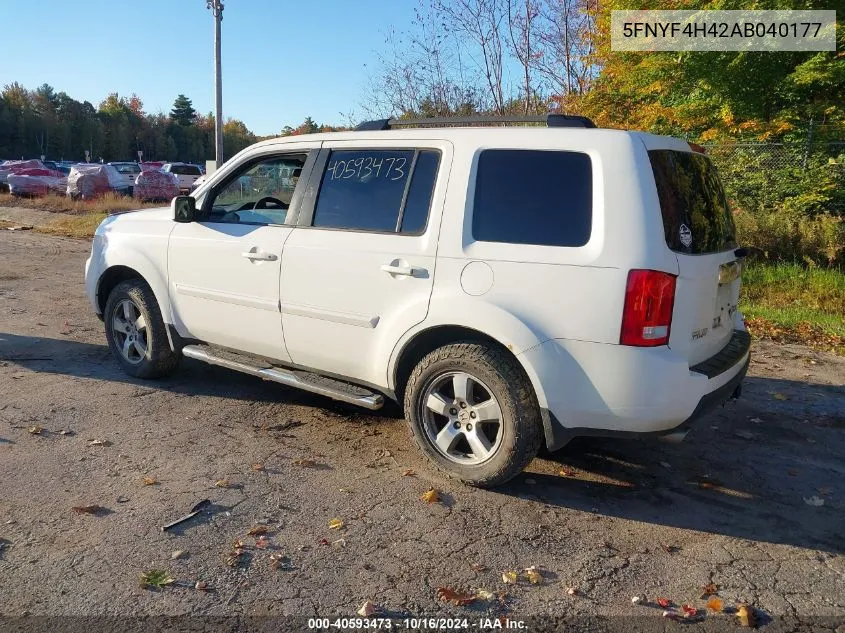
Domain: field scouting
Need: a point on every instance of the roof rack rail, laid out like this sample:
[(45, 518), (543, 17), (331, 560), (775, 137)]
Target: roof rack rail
[(551, 120)]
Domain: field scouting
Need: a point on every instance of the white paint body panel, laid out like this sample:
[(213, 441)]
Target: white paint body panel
[(558, 310)]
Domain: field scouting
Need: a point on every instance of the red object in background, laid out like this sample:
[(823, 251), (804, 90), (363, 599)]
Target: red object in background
[(155, 185)]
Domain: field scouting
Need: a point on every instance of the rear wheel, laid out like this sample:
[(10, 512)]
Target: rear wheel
[(472, 411), (136, 332)]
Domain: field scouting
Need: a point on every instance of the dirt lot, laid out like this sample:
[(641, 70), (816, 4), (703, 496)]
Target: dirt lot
[(752, 501)]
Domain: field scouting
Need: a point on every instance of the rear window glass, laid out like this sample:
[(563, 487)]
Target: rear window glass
[(696, 215), (186, 170), (533, 197)]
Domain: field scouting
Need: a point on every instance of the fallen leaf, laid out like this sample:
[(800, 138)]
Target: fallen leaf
[(201, 585), (814, 501), (257, 467), (305, 463), (709, 589), (149, 481), (689, 611), (430, 496), (477, 567), (92, 509), (99, 443), (35, 430), (277, 560), (323, 541), (341, 542), (483, 594), (715, 605), (237, 544), (572, 591), (336, 524), (235, 557), (409, 472), (509, 577), (222, 483), (367, 609), (262, 542), (258, 530), (156, 578), (458, 599), (179, 553), (533, 575), (566, 472), (746, 615), (664, 603), (780, 396)]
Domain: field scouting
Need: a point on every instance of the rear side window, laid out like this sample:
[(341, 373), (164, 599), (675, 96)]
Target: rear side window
[(186, 170), (533, 197), (377, 190), (696, 215)]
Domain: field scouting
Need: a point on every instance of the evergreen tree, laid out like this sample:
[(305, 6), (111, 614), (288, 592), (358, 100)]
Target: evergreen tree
[(183, 111)]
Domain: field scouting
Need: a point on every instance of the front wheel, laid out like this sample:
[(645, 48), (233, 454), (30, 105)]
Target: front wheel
[(472, 411), (136, 332)]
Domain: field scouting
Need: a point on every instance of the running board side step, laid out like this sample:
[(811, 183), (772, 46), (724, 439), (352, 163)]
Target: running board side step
[(307, 381)]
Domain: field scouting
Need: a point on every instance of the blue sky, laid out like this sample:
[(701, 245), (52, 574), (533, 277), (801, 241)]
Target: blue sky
[(283, 60)]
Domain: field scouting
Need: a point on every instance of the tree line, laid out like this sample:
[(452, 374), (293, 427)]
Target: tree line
[(43, 122), (461, 57)]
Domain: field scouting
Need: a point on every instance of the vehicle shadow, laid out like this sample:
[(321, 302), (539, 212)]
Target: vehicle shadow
[(193, 378), (744, 471), (749, 470)]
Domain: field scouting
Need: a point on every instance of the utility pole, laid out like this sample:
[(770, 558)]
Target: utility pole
[(216, 7)]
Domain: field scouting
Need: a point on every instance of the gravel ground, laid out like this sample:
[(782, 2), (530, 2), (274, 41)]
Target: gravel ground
[(752, 501)]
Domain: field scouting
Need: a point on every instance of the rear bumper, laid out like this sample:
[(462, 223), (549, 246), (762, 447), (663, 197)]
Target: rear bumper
[(612, 390)]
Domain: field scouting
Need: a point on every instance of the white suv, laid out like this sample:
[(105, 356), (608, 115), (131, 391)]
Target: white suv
[(509, 286), (186, 174)]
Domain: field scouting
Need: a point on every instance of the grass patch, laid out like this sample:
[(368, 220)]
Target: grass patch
[(107, 204), (793, 303), (79, 226)]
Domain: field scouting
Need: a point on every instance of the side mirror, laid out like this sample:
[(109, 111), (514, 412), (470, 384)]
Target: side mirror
[(184, 209)]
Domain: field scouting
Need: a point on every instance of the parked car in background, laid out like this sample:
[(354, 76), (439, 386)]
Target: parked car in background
[(128, 173), (92, 180), (186, 173), (14, 166), (156, 185)]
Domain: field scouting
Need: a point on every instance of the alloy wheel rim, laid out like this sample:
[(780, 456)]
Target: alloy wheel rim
[(130, 331), (462, 418)]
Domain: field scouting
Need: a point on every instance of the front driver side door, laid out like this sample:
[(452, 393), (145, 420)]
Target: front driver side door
[(224, 268)]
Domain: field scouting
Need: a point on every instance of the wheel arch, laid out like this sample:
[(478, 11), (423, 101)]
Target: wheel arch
[(118, 273), (429, 339)]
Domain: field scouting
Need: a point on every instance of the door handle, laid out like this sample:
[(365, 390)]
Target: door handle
[(260, 255), (407, 271)]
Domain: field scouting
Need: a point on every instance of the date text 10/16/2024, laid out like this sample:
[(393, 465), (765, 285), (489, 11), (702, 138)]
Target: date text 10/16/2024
[(415, 624)]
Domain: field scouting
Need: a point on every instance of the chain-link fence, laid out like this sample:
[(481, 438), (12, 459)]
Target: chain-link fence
[(785, 169)]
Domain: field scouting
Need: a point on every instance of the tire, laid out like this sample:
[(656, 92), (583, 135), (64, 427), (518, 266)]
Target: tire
[(497, 452), (147, 353)]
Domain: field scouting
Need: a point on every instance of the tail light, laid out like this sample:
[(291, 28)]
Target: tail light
[(647, 316)]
